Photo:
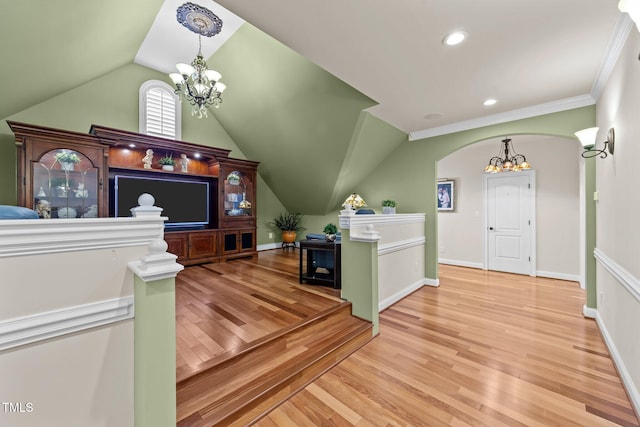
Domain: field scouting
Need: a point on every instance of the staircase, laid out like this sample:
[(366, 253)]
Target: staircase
[(241, 386)]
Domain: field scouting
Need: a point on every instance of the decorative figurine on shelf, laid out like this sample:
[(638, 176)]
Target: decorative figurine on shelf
[(184, 163), (43, 208), (148, 159), (81, 191), (92, 212), (41, 193)]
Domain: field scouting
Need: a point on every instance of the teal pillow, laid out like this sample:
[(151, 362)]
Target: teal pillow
[(16, 212)]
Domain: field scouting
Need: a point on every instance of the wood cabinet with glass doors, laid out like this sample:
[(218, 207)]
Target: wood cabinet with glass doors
[(237, 207), (61, 174)]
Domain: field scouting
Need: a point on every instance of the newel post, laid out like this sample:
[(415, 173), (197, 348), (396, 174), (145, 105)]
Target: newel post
[(154, 330), (360, 266)]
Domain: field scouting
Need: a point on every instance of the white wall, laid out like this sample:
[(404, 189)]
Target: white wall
[(556, 161), (618, 229)]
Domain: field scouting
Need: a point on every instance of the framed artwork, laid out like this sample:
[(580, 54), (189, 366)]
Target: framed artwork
[(446, 194)]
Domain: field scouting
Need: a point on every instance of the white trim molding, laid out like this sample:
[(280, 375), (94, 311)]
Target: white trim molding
[(41, 326), (625, 278), (468, 264), (350, 221), (387, 302), (561, 276), (589, 312), (269, 246), (400, 245), (625, 375), (158, 264), (22, 237), (508, 116), (431, 282)]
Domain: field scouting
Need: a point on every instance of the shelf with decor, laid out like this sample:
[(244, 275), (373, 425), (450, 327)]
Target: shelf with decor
[(201, 196)]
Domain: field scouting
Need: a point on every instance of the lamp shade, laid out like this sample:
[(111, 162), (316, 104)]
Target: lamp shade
[(354, 201), (185, 69), (213, 75), (587, 137), (632, 7)]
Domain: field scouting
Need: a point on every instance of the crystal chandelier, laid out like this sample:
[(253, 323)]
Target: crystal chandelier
[(195, 83), (507, 160)]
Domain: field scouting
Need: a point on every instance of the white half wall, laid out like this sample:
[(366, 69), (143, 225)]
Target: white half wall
[(66, 320)]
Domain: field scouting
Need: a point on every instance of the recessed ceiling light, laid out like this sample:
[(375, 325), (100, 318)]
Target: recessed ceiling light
[(132, 145), (489, 102), (454, 38), (433, 116)]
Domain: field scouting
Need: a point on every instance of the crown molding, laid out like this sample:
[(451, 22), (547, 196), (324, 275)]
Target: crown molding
[(508, 116), (616, 44), (614, 47)]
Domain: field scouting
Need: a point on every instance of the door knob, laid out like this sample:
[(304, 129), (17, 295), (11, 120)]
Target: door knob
[(491, 228)]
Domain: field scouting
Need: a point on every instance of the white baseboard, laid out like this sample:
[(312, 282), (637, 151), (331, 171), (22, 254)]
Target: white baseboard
[(561, 276), (40, 326), (589, 312), (625, 376), (431, 282), (460, 263), (269, 246), (399, 295)]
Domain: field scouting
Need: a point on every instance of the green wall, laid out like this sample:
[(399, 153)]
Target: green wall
[(112, 100), (294, 117), (409, 175)]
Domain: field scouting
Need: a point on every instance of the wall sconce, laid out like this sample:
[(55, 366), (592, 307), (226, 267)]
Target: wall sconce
[(587, 138), (632, 7)]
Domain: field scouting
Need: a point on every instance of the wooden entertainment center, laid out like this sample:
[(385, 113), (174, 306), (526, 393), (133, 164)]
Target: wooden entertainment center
[(64, 174)]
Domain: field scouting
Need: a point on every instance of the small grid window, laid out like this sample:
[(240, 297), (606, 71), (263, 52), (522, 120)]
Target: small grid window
[(159, 110)]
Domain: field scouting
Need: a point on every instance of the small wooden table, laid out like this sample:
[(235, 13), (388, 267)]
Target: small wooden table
[(320, 262)]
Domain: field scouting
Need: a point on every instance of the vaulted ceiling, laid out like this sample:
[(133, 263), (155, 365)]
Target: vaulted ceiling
[(296, 104)]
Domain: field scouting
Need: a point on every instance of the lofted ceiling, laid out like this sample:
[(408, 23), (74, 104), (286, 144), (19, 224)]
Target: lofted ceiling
[(385, 58)]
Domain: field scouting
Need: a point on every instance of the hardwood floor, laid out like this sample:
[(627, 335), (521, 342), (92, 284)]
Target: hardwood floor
[(484, 348), (222, 308)]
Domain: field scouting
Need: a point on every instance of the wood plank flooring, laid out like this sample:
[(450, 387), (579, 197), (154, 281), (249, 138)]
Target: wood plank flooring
[(222, 308), (483, 349)]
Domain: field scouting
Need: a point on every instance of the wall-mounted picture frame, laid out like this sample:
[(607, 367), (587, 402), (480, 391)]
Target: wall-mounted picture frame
[(446, 193)]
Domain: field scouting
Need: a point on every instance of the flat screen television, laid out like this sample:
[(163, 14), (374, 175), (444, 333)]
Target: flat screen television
[(185, 202)]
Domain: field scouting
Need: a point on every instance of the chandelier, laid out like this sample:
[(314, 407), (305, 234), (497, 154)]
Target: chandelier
[(195, 83), (507, 160)]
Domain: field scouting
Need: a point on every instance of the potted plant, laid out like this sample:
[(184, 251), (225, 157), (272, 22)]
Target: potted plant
[(167, 162), (289, 223), (233, 178), (67, 159), (330, 231), (388, 206)]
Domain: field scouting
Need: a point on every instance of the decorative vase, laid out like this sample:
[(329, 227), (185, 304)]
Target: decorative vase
[(288, 236), (67, 213), (67, 166), (330, 237), (388, 210), (167, 167)]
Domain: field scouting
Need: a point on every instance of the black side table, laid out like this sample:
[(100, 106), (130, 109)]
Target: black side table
[(320, 262)]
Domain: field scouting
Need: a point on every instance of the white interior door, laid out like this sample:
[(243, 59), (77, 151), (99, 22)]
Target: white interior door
[(509, 221)]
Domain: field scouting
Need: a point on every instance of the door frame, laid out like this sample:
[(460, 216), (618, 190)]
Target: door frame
[(532, 203)]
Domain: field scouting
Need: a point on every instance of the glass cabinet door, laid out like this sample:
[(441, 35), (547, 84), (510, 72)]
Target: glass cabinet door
[(65, 185), (238, 194)]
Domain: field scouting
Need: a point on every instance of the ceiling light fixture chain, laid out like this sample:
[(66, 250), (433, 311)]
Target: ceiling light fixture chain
[(195, 83), (507, 160)]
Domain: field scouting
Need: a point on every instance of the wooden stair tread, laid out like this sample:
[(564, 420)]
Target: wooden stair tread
[(219, 360), (251, 380)]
